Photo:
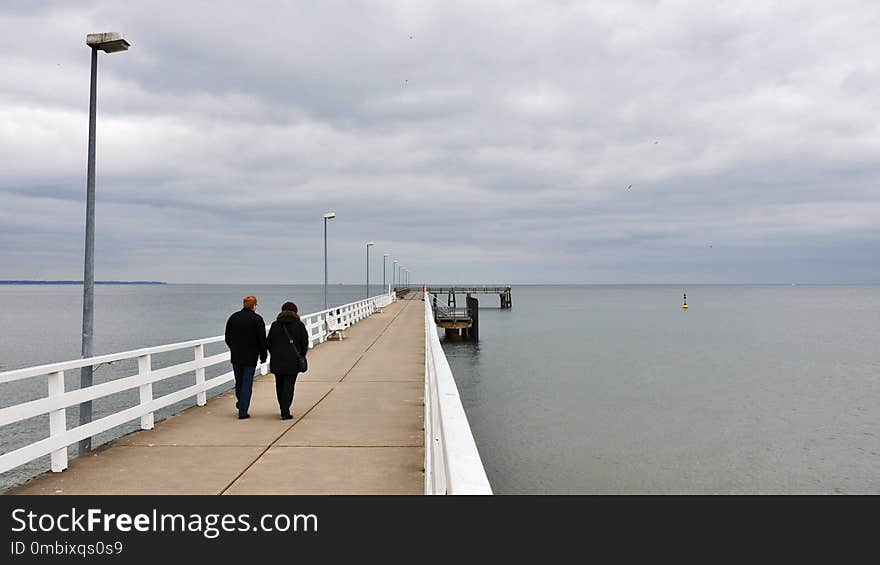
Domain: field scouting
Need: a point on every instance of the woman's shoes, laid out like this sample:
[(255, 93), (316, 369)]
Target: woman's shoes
[(287, 416)]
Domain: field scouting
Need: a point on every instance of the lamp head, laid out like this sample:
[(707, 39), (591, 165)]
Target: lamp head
[(329, 215), (370, 243), (110, 42)]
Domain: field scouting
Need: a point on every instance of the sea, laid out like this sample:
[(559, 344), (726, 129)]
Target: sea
[(576, 389)]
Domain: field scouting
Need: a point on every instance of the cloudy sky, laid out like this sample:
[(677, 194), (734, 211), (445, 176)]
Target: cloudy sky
[(522, 142)]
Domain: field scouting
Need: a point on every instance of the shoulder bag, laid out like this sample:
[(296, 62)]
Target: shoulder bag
[(303, 363)]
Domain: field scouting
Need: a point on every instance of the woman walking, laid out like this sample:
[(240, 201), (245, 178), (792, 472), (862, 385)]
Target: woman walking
[(288, 343)]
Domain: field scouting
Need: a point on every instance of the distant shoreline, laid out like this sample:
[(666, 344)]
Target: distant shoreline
[(80, 282)]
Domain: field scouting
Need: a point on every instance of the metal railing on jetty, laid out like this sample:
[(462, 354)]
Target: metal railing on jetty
[(452, 462), (58, 400), (447, 313)]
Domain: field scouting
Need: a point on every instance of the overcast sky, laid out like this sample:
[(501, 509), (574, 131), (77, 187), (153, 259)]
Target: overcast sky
[(510, 142)]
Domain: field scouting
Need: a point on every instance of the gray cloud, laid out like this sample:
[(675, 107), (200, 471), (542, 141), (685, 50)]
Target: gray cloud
[(475, 141)]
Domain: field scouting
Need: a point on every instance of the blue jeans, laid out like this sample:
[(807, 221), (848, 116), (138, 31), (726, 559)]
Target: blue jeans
[(244, 386)]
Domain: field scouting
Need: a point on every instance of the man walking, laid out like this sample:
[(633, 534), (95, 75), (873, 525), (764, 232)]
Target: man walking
[(246, 338)]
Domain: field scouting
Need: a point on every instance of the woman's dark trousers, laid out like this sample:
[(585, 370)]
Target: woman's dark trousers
[(284, 391)]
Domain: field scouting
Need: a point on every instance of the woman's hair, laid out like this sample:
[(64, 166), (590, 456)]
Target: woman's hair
[(289, 307)]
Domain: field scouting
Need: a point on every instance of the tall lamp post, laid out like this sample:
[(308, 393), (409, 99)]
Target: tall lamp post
[(108, 43), (369, 244), (393, 275), (327, 216), (384, 258)]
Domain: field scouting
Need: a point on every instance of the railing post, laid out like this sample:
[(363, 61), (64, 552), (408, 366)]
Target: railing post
[(310, 327), (146, 390), (57, 421), (202, 396)]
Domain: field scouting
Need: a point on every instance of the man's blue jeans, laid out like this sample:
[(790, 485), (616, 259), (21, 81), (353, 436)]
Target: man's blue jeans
[(244, 385)]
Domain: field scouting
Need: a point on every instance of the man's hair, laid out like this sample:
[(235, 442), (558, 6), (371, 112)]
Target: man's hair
[(250, 301)]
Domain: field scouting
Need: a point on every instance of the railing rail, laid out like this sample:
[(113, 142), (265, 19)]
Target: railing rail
[(469, 289), (452, 461), (58, 400)]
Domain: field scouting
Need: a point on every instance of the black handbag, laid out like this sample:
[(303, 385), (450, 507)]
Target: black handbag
[(303, 363)]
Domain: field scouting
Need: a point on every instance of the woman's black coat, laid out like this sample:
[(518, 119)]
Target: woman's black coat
[(283, 360)]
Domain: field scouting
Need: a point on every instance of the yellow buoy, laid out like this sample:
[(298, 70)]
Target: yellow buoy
[(684, 305)]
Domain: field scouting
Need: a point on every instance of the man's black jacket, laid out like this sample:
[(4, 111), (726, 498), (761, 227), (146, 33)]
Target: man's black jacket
[(246, 338)]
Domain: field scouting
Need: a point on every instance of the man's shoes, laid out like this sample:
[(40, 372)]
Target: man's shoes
[(287, 416), (244, 416)]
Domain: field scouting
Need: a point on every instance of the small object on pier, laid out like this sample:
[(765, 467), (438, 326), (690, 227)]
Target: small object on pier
[(685, 304)]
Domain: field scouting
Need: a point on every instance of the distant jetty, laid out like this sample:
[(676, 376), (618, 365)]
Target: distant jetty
[(80, 282)]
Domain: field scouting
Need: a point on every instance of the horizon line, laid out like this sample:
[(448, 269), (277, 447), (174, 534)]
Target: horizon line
[(154, 282)]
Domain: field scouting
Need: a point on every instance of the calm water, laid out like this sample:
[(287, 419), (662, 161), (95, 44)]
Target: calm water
[(576, 389), (616, 389)]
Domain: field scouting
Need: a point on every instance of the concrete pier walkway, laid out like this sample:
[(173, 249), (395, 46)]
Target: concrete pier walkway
[(357, 429)]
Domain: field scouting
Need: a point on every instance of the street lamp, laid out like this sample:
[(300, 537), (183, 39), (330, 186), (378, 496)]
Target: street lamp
[(384, 258), (369, 244), (108, 43), (327, 216), (393, 275)]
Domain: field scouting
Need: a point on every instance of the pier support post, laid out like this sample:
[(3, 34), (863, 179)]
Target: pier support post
[(473, 309), (453, 334), (505, 300)]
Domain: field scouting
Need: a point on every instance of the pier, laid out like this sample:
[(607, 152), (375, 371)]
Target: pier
[(463, 322), (376, 413)]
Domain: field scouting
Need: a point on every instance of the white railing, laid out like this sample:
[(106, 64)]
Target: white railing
[(452, 462), (58, 401)]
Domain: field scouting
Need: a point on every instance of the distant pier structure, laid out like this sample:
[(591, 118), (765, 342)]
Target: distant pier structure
[(464, 322)]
